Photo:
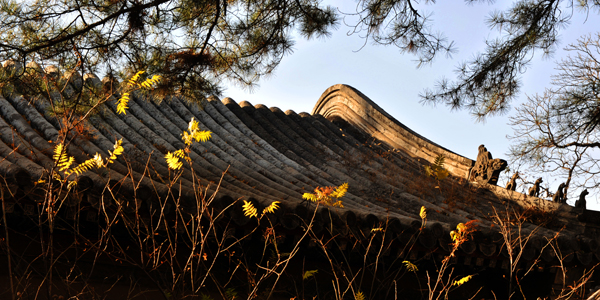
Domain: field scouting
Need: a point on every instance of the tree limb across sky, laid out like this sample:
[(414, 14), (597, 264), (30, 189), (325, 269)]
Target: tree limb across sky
[(196, 44)]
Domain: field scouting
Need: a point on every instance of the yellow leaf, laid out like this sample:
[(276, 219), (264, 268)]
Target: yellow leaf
[(423, 213), (271, 208), (71, 184), (194, 133), (410, 266), (150, 82), (122, 103), (461, 227), (325, 195), (309, 197), (309, 273), (340, 191), (118, 150), (61, 159), (202, 136), (135, 78), (65, 164), (359, 296), (249, 209), (58, 152), (462, 280), (193, 125), (338, 204), (173, 161), (86, 165), (98, 160)]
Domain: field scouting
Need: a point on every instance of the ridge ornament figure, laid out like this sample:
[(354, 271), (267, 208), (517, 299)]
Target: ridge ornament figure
[(582, 203), (535, 189), (559, 197), (486, 168), (512, 184)]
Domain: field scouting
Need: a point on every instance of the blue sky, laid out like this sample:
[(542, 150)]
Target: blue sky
[(393, 81)]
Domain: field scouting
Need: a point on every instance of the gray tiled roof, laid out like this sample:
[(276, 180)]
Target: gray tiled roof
[(269, 155)]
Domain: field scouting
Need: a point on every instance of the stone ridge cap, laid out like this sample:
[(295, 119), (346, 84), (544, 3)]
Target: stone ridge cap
[(349, 90)]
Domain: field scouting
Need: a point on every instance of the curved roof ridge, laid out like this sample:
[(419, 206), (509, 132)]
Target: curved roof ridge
[(345, 102)]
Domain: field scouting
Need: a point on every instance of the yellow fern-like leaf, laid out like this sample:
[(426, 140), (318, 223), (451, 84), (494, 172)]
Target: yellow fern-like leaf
[(118, 150), (410, 266), (439, 161), (340, 191), (133, 80), (377, 229), (122, 103), (310, 197), (202, 136), (437, 169), (423, 213), (193, 125), (150, 82), (249, 209), (325, 195), (462, 280), (195, 134), (65, 164), (61, 159), (58, 152), (359, 296), (271, 208), (180, 153), (71, 184), (98, 160), (309, 274), (338, 204), (173, 161), (86, 165)]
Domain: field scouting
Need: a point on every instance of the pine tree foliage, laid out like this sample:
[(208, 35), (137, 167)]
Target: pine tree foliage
[(193, 45), (491, 80)]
